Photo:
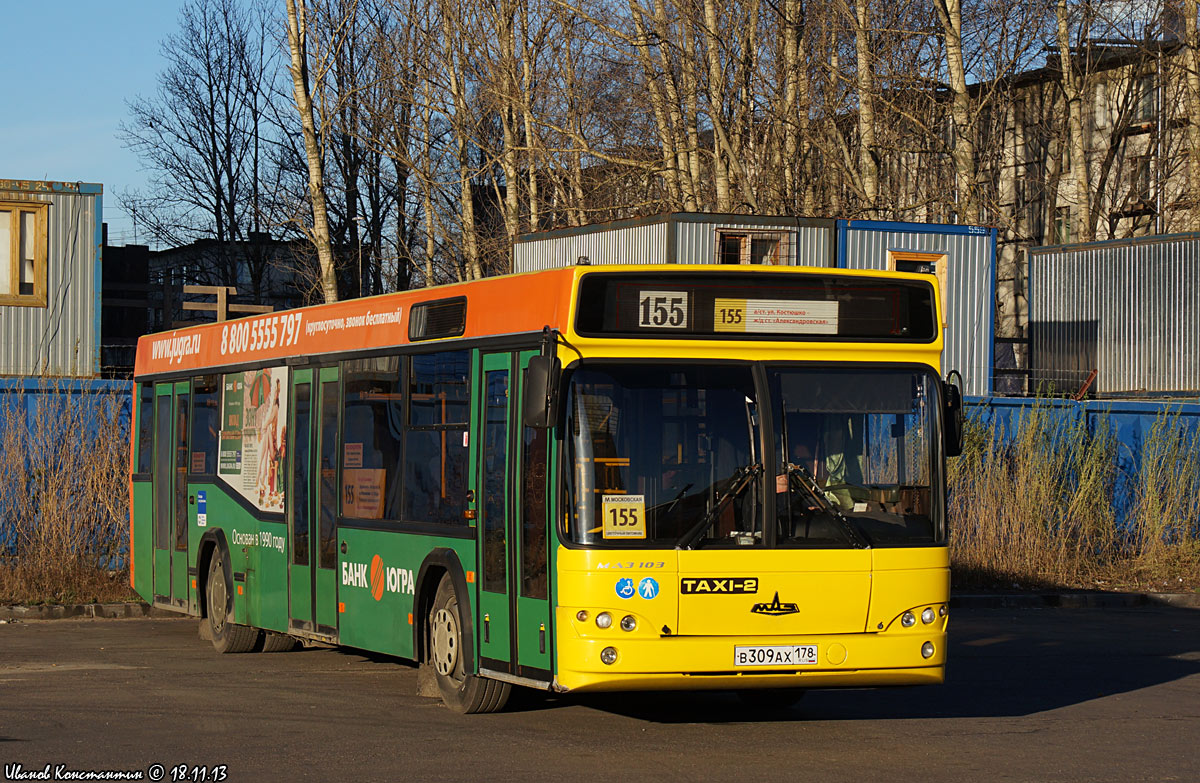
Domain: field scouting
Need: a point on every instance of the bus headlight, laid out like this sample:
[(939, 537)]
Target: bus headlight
[(628, 623), (908, 619), (928, 616), (603, 620), (609, 655), (926, 650), (581, 615)]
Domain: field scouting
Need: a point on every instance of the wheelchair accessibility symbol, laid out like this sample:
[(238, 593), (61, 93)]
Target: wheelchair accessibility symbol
[(648, 588), (625, 588)]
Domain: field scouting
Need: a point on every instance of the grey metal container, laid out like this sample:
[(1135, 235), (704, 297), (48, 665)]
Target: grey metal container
[(61, 339), (1128, 309), (675, 238)]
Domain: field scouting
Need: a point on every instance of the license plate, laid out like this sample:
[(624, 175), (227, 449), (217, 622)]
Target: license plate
[(776, 655)]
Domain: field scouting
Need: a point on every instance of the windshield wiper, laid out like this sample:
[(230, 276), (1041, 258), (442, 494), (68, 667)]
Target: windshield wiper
[(741, 478), (810, 485)]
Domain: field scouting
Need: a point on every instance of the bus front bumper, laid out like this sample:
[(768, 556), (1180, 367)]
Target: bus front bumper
[(708, 662)]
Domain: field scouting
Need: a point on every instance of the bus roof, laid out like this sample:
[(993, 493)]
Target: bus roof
[(503, 305)]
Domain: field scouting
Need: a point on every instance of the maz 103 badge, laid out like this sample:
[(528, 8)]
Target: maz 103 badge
[(624, 516)]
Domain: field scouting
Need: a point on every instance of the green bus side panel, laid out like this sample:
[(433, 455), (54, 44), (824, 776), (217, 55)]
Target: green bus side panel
[(327, 597), (377, 598), (493, 636), (257, 549), (180, 584), (267, 578), (162, 572), (552, 498), (533, 623), (143, 540), (241, 531), (301, 591)]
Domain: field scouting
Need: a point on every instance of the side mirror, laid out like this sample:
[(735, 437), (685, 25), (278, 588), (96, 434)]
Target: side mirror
[(952, 414), (541, 380)]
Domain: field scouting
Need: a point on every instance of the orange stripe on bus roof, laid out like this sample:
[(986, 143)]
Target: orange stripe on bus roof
[(499, 305)]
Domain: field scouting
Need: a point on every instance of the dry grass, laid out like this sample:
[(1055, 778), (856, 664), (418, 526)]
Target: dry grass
[(1046, 506), (64, 502)]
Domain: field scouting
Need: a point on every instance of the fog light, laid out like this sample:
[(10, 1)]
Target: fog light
[(628, 623), (581, 615), (927, 616), (908, 619), (609, 655), (927, 650), (603, 620), (942, 610)]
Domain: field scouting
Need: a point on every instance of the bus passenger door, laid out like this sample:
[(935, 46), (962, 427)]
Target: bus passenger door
[(171, 493), (312, 501), (513, 619)]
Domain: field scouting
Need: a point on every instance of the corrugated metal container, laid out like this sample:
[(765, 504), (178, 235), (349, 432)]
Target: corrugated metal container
[(970, 283), (676, 238), (1129, 309), (620, 242), (62, 338)]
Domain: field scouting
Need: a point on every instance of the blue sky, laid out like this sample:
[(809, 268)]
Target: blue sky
[(60, 109)]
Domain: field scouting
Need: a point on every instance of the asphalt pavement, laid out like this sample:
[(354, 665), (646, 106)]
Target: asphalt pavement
[(1031, 695)]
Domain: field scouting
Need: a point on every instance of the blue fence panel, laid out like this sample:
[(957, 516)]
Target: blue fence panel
[(23, 400), (1131, 422)]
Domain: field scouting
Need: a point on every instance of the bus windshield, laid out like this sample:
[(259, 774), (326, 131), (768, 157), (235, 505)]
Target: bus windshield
[(667, 456)]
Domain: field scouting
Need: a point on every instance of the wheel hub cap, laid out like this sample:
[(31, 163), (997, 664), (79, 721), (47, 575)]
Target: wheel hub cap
[(216, 602), (445, 642)]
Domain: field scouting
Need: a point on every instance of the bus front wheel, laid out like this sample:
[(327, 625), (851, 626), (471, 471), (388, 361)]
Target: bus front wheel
[(226, 636), (462, 692)]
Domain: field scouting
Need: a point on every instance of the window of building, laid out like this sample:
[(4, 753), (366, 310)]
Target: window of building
[(1139, 178), (927, 263), (749, 247), (23, 232), (1062, 225), (1147, 95), (1101, 106)]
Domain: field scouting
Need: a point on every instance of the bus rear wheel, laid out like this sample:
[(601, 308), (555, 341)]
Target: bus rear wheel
[(226, 636), (461, 692)]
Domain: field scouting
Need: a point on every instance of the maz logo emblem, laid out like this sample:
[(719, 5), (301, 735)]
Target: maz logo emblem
[(775, 608)]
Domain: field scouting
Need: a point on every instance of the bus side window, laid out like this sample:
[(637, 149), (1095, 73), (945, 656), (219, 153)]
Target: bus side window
[(145, 461), (206, 420), (371, 438), (435, 451)]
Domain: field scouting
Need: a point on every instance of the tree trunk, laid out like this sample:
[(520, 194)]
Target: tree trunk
[(867, 162), (297, 42), (965, 175), (1191, 48), (1073, 88)]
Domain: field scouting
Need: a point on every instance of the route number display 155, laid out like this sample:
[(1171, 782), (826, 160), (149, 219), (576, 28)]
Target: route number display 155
[(663, 309)]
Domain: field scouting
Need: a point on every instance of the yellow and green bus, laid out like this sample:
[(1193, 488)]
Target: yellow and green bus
[(583, 479)]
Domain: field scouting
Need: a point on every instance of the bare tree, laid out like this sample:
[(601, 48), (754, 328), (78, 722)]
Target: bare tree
[(319, 233), (198, 136)]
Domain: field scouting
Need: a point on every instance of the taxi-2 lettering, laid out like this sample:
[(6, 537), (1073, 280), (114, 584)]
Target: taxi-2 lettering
[(718, 585)]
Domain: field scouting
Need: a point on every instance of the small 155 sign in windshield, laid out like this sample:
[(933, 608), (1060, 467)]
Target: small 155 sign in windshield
[(729, 304)]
